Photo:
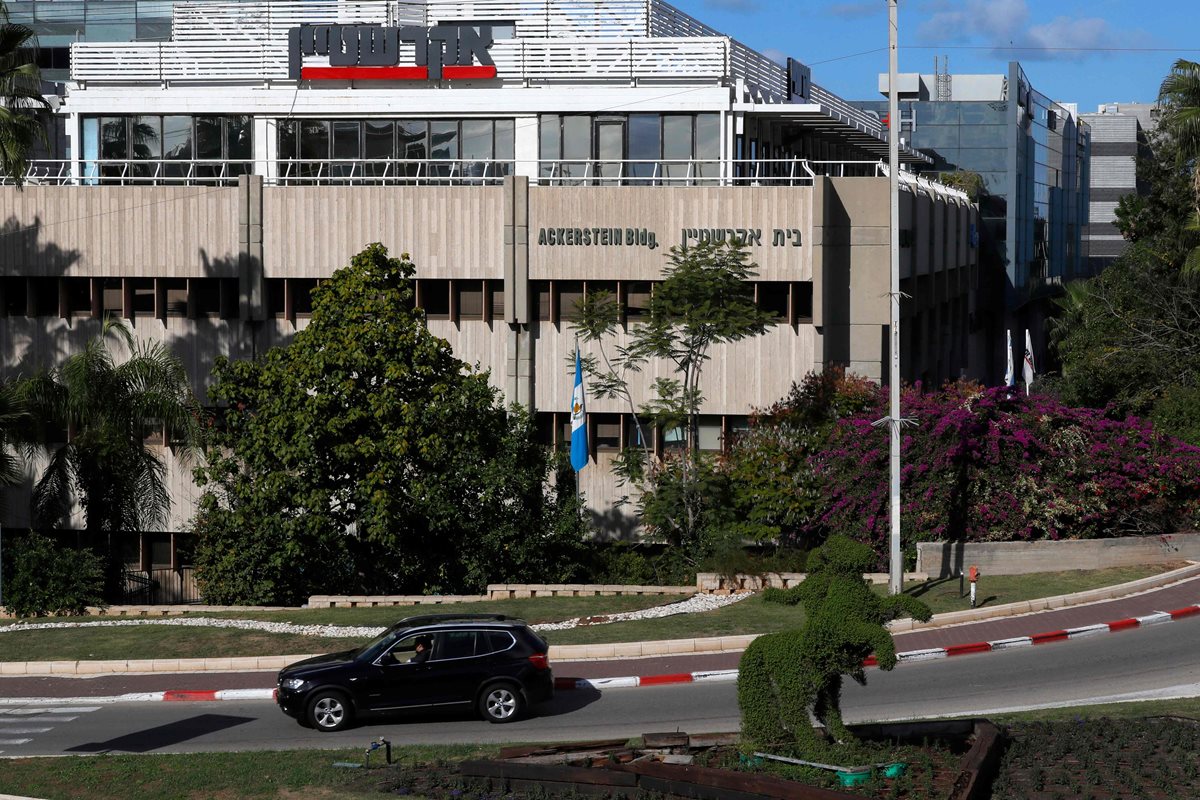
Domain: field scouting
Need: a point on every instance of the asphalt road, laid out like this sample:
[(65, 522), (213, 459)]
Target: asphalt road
[(1153, 661)]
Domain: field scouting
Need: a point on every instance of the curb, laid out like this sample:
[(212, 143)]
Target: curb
[(632, 681)]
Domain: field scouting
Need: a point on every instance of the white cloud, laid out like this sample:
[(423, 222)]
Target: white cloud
[(1006, 24)]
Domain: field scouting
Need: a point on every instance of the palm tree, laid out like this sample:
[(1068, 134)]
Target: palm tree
[(106, 408), (15, 422), (1179, 97), (21, 98)]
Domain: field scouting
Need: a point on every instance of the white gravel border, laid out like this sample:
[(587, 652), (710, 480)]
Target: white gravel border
[(695, 604)]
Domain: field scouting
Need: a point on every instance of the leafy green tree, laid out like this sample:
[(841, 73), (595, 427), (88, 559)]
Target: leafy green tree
[(971, 183), (1157, 216), (48, 579), (775, 491), (107, 406), (1179, 96), (704, 300), (21, 101), (364, 457), (15, 423)]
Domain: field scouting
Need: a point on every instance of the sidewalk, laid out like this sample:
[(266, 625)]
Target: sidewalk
[(1152, 606)]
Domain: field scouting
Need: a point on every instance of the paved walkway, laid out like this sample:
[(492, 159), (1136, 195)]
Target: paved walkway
[(1176, 596)]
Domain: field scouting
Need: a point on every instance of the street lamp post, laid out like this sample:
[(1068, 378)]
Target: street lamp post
[(895, 573)]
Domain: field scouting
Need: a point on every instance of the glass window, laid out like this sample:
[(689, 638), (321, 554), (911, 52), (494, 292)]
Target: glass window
[(469, 299), (549, 143), (498, 641), (301, 290), (677, 146), (113, 138), (276, 297), (314, 144), (208, 137), (78, 293), (773, 298), (708, 144), (496, 289), (239, 138), (435, 298), (346, 145), (606, 430), (205, 296), (645, 144), (142, 290), (378, 146), (576, 146), (145, 137), (175, 296), (112, 301), (454, 644), (569, 294), (637, 299), (443, 145), (477, 147), (412, 142), (177, 137), (505, 145), (710, 433)]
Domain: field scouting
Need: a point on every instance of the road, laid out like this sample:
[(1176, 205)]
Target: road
[(1154, 661)]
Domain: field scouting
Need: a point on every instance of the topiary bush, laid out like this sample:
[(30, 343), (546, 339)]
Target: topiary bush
[(48, 579), (786, 679)]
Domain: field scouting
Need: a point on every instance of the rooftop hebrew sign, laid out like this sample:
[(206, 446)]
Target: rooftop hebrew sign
[(372, 52)]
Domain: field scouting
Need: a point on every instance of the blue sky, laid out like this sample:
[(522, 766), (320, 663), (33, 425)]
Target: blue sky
[(1073, 51)]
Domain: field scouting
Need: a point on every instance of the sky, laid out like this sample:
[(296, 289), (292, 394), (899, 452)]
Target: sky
[(1089, 53)]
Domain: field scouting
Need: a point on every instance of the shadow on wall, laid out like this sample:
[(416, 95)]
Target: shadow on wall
[(613, 524), (952, 560), (835, 279), (24, 255)]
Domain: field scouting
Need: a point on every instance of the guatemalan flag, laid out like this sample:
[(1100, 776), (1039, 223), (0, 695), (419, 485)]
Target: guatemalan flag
[(579, 447)]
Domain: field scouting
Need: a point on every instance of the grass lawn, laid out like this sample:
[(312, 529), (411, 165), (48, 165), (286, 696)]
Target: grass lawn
[(745, 617), (289, 774)]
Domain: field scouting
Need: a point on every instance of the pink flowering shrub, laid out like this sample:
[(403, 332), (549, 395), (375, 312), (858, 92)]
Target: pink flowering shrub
[(981, 465)]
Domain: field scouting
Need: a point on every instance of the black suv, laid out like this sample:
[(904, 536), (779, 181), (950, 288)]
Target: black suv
[(492, 662)]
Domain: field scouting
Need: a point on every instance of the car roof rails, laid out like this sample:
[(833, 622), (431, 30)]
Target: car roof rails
[(434, 619)]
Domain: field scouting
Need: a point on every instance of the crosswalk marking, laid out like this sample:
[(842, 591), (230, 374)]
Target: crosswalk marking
[(25, 730), (14, 741)]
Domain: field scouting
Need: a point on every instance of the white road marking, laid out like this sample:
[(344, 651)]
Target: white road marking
[(14, 741), (25, 730)]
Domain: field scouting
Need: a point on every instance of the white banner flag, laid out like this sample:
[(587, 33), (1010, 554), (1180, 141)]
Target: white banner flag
[(1027, 367)]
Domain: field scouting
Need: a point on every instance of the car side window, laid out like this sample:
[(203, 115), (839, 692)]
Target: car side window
[(404, 650), (496, 642), (454, 644)]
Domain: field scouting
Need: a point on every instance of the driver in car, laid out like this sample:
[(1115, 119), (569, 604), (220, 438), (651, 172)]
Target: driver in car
[(421, 650)]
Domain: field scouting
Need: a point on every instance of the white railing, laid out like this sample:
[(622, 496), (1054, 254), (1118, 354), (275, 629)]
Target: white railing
[(454, 172), (549, 18), (206, 23), (855, 116), (758, 71), (517, 60)]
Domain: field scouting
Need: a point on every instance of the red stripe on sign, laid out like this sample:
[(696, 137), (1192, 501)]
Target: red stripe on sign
[(566, 683), (468, 72), (364, 73), (655, 680), (1122, 624), (870, 661), (974, 647), (1050, 636), (189, 696), (1184, 612)]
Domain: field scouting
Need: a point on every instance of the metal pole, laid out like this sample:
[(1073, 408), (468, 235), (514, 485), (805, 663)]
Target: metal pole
[(896, 572)]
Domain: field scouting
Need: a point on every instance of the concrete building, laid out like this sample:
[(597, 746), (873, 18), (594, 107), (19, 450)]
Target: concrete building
[(1033, 154), (521, 153), (1120, 134)]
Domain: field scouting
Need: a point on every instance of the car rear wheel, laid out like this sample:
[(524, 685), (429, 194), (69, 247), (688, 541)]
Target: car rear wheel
[(329, 710), (501, 702)]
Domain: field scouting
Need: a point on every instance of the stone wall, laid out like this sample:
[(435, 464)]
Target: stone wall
[(942, 559)]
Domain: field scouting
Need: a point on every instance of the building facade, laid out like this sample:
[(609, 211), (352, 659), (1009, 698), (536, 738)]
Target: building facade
[(1120, 134), (522, 154), (1033, 155)]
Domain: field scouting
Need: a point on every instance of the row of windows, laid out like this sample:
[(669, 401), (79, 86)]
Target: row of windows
[(291, 298), (611, 433), (790, 302), (171, 138), (579, 146)]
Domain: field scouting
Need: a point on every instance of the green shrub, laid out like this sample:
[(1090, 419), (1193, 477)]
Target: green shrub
[(49, 579)]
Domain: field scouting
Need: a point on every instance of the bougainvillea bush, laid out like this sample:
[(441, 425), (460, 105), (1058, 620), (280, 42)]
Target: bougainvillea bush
[(994, 465)]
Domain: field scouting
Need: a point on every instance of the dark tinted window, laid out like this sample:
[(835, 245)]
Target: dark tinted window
[(497, 641), (454, 644)]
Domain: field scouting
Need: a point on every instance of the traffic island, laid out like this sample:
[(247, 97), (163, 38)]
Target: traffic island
[(953, 760)]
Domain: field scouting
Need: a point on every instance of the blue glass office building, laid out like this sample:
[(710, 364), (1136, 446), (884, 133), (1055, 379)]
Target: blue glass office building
[(1033, 156)]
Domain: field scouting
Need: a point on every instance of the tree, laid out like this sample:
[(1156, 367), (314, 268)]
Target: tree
[(15, 422), (364, 457), (1179, 96), (704, 300), (1156, 218), (786, 679), (776, 493), (20, 98), (966, 181), (106, 407)]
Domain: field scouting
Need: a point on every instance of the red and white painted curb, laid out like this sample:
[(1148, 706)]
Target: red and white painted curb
[(1042, 638), (626, 682)]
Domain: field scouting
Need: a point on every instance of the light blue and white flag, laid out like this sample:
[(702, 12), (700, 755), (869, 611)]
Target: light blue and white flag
[(1009, 376), (579, 444), (1027, 368)]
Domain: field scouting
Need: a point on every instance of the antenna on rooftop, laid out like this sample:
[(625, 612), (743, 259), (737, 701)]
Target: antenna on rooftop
[(941, 71)]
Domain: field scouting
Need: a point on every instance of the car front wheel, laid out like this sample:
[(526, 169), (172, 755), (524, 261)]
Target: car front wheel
[(501, 702), (329, 711)]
